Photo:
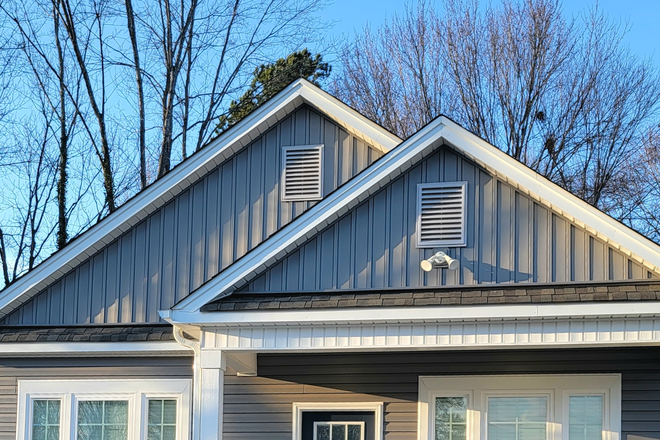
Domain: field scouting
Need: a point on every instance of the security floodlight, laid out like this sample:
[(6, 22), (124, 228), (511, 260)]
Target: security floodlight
[(440, 259)]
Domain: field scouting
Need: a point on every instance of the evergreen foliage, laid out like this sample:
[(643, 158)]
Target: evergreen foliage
[(270, 79)]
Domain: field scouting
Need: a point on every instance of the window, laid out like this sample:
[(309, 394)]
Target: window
[(441, 214), (302, 173), (554, 407), (338, 421), (104, 409), (46, 420), (162, 420), (339, 430)]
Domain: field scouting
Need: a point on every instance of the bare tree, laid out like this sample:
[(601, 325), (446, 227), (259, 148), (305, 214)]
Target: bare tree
[(394, 75), (26, 233), (108, 135), (81, 45), (561, 95)]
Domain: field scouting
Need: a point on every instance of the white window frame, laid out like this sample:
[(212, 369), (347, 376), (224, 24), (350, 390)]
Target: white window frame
[(418, 227), (331, 424), (558, 388), (302, 198), (300, 407), (137, 392)]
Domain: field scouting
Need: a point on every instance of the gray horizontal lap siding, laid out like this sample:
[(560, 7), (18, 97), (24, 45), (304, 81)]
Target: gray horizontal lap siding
[(255, 406), (510, 238), (11, 370), (201, 232)]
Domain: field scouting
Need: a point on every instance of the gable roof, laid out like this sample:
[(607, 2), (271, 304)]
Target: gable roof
[(298, 93), (524, 179)]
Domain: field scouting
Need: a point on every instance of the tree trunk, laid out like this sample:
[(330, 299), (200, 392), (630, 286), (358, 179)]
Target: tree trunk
[(62, 235), (130, 17)]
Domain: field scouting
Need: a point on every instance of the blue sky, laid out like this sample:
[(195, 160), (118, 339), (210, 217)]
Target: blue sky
[(642, 16)]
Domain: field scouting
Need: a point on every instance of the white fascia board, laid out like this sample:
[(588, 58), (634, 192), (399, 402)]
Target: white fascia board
[(426, 314), (328, 209), (563, 201), (60, 349), (165, 188), (347, 117)]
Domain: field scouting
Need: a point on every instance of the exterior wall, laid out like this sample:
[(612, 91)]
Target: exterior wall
[(510, 239), (202, 231), (80, 368), (255, 406)]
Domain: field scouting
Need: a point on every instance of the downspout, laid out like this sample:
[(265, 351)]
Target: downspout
[(193, 345)]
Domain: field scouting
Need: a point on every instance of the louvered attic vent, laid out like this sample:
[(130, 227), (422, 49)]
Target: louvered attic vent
[(301, 174), (441, 214)]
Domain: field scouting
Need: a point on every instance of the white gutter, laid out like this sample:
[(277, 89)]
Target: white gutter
[(61, 349), (426, 314)]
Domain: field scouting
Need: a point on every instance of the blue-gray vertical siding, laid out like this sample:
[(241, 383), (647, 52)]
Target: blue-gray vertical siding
[(258, 406), (510, 239), (202, 231)]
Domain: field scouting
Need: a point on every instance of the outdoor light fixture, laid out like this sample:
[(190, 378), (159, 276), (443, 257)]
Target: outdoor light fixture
[(440, 259)]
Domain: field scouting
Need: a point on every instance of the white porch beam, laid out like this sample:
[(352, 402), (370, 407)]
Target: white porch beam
[(595, 332), (244, 363)]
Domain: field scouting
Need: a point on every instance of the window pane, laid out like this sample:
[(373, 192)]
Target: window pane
[(354, 432), (517, 418), (46, 420), (322, 432), (338, 432), (103, 420), (585, 417), (450, 418), (162, 420)]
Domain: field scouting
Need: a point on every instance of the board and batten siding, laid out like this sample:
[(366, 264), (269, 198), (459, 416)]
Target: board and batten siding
[(256, 407), (510, 239), (202, 231), (11, 370)]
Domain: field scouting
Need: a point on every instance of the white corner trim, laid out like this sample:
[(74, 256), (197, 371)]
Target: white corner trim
[(163, 189), (60, 349), (300, 407), (556, 387)]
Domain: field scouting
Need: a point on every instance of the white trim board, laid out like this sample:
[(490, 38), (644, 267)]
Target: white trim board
[(300, 407), (425, 314), (61, 349), (164, 189), (412, 150), (614, 332)]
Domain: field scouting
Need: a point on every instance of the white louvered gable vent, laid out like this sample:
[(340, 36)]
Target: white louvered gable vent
[(302, 173), (441, 214)]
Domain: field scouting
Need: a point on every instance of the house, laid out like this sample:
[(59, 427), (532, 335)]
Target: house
[(309, 276)]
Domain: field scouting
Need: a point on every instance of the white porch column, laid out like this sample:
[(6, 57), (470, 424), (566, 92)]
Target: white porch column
[(212, 366)]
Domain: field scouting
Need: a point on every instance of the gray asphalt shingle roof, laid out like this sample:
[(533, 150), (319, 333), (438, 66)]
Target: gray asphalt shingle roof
[(87, 334), (629, 290)]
